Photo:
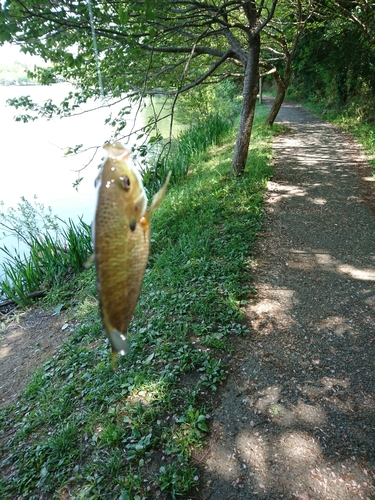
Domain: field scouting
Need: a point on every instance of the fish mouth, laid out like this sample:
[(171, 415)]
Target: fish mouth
[(132, 225)]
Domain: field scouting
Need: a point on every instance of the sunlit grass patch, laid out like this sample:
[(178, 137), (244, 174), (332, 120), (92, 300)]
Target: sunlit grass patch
[(190, 148)]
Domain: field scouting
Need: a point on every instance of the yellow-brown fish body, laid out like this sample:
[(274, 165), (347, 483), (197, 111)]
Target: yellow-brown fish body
[(121, 242)]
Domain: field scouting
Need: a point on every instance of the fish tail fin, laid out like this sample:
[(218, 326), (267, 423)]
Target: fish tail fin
[(158, 197), (120, 345)]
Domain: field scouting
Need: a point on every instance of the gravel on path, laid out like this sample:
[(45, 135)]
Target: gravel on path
[(297, 416)]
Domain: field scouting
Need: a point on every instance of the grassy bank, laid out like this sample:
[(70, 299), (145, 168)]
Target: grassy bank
[(56, 250), (81, 430), (51, 260)]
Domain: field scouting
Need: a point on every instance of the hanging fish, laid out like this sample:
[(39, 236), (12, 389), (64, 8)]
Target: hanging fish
[(121, 242)]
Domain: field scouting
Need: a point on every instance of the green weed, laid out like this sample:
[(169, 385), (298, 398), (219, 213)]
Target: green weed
[(51, 259), (191, 145)]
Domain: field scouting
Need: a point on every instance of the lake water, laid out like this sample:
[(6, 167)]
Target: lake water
[(33, 161)]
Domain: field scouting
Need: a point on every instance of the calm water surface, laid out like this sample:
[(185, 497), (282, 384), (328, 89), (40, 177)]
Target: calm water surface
[(33, 161)]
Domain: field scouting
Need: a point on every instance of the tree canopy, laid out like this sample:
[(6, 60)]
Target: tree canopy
[(144, 47), (335, 59)]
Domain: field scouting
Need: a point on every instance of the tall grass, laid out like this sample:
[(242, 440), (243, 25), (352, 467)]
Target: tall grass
[(190, 146), (51, 260)]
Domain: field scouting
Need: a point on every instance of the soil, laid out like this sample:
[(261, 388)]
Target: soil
[(26, 341), (296, 419)]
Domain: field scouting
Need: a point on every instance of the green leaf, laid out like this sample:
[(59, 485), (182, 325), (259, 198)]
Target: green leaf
[(58, 308), (149, 359), (123, 15), (203, 426)]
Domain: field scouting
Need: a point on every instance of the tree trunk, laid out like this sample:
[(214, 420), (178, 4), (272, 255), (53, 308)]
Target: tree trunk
[(282, 87), (249, 98), (279, 99)]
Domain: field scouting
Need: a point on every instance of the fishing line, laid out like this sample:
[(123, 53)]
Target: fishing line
[(93, 34)]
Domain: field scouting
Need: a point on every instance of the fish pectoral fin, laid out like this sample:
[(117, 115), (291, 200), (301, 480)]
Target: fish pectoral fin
[(158, 197)]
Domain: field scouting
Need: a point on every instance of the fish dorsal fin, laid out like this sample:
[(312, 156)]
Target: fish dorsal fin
[(158, 198)]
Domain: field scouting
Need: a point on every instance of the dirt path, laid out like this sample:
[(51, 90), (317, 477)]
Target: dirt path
[(297, 417), (25, 343)]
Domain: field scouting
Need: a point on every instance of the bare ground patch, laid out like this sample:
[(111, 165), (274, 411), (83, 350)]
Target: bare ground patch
[(26, 341)]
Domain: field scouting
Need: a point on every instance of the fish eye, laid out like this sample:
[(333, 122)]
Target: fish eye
[(125, 182)]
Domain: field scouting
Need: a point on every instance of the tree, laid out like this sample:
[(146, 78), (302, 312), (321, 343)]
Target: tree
[(281, 38), (144, 48), (335, 64), (360, 13)]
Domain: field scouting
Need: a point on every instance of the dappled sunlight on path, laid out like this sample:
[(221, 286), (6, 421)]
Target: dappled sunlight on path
[(297, 418)]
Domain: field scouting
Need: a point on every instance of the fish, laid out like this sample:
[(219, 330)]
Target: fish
[(121, 242)]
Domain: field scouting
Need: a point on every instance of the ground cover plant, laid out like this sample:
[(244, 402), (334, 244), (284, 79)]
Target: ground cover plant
[(191, 144), (82, 430)]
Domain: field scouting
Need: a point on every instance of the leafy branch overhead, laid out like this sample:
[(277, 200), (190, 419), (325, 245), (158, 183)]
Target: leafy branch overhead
[(145, 48)]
